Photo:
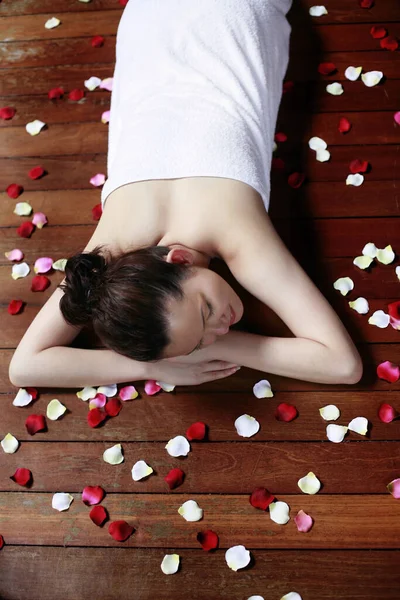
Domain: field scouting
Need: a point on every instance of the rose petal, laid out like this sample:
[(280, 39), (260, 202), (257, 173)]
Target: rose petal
[(335, 89), (363, 262), (296, 179), (113, 455), (120, 530), (394, 488), (59, 265), (344, 125), (330, 412), (378, 32), (358, 166), (389, 43), (174, 478), (128, 393), (317, 11), (1, 542), (151, 387), (76, 95), (387, 413), (291, 596), (247, 426), (25, 229), (280, 137), (51, 23), (140, 470), (388, 371), (15, 254), (394, 313), (55, 409), (36, 173), (55, 93), (327, 68), (360, 305), (61, 501), (359, 425), (355, 180), (196, 431), (344, 285), (113, 407), (98, 179), (14, 307), (385, 256), (178, 446), (40, 283), (310, 484), (279, 512), (237, 557), (170, 564), (22, 209), (23, 398), (43, 264), (380, 319), (20, 270), (286, 412), (371, 78), (303, 521), (9, 444), (352, 73), (99, 401), (261, 498), (98, 514), (92, 83), (107, 84), (22, 476), (208, 540), (35, 423), (396, 117), (97, 41), (92, 494), (191, 511), (108, 390), (166, 387), (397, 271), (34, 127), (262, 389), (95, 417), (87, 393), (7, 112), (370, 250), (336, 433), (317, 143), (323, 155), (39, 219)]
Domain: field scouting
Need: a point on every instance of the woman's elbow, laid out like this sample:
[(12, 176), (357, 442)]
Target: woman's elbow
[(352, 371)]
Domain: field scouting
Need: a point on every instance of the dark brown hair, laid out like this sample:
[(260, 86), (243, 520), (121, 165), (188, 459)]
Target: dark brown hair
[(125, 298)]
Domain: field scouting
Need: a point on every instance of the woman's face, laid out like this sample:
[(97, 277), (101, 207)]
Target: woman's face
[(203, 314)]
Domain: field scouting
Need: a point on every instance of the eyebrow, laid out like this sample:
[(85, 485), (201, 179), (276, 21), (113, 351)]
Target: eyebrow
[(204, 326)]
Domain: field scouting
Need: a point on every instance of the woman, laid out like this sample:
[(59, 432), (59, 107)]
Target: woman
[(193, 113)]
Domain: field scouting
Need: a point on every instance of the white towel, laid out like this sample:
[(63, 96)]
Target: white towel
[(196, 91)]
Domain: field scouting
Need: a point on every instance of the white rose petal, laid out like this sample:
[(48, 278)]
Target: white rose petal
[(51, 23), (336, 433), (237, 557), (292, 596), (355, 179), (362, 262), (359, 425), (329, 412), (279, 512), (317, 11), (262, 389), (371, 78), (108, 390), (344, 285), (170, 564), (22, 398), (352, 73), (370, 250), (92, 83), (335, 89), (317, 143), (246, 426), (9, 444), (140, 470), (360, 305), (255, 598), (380, 319), (55, 409), (310, 484), (191, 511), (107, 84), (20, 270), (274, 147), (166, 387), (22, 209), (178, 446), (59, 265), (61, 501), (34, 127), (397, 271), (323, 155), (88, 393), (385, 256), (113, 455)]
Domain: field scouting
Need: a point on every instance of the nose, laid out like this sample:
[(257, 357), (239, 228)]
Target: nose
[(223, 328)]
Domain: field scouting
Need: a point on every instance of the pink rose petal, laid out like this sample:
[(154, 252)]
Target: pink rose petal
[(151, 387), (303, 521), (128, 392), (388, 371), (387, 413), (15, 254), (394, 488), (43, 264), (39, 219), (98, 179), (397, 117)]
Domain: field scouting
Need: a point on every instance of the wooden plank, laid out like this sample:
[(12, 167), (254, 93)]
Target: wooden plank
[(218, 468), (29, 519), (71, 573), (152, 418)]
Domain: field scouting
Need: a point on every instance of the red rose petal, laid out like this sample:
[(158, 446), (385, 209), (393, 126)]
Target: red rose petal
[(97, 41), (25, 229), (326, 68), (14, 307), (14, 190), (389, 43), (286, 412), (7, 112), (95, 417), (56, 93), (277, 164), (92, 494), (22, 476), (98, 514), (366, 3), (287, 86), (76, 95), (208, 539), (388, 371), (36, 172), (196, 431), (394, 313), (33, 392), (113, 407), (97, 211), (280, 137), (35, 423), (40, 283), (358, 166), (261, 498), (174, 478), (378, 32), (123, 2), (344, 125), (387, 413), (120, 530), (296, 179), (1, 542)]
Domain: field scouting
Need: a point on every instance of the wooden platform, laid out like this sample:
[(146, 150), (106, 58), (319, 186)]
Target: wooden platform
[(352, 551)]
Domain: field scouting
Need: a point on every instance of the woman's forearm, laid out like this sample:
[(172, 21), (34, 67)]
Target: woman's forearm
[(298, 358), (62, 366)]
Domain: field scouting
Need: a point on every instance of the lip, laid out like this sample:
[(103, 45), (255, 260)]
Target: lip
[(233, 316)]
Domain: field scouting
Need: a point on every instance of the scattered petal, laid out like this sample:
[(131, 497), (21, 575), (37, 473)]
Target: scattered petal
[(336, 433), (389, 43), (370, 250), (326, 68), (317, 11), (286, 412), (92, 494), (296, 179), (166, 387), (151, 387), (191, 511), (261, 498), (55, 93), (359, 166), (397, 271), (105, 116), (25, 229), (113, 407), (360, 305), (363, 262), (99, 401), (380, 319), (237, 557), (317, 143), (396, 117), (371, 78), (394, 488), (330, 412), (36, 173), (344, 125), (98, 179), (87, 393), (95, 417), (97, 41), (291, 596), (76, 95), (352, 73), (22, 209), (323, 155), (196, 431), (14, 190), (61, 501), (120, 530), (14, 307), (22, 476), (387, 413), (35, 423), (359, 425), (170, 564), (34, 127), (385, 256), (174, 478), (335, 89), (378, 32), (40, 283), (1, 542), (208, 539), (20, 270), (262, 389), (344, 285), (108, 390), (7, 112), (59, 265), (98, 514), (51, 23), (107, 84), (140, 470), (303, 521), (39, 219), (9, 444), (310, 484), (355, 180), (279, 512), (23, 398), (15, 254), (43, 264), (55, 409), (388, 371), (246, 426), (92, 83), (113, 455), (178, 446), (394, 313)]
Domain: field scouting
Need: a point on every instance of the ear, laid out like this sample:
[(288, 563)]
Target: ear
[(178, 255)]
